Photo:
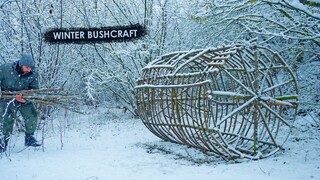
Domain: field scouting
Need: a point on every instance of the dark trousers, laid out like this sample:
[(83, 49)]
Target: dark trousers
[(8, 112)]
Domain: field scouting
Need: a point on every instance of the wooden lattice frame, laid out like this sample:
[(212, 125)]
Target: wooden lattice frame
[(233, 101)]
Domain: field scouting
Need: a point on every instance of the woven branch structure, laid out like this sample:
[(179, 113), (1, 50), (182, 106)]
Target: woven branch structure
[(234, 101)]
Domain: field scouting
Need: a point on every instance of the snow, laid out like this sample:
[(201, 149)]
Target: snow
[(109, 144), (298, 5)]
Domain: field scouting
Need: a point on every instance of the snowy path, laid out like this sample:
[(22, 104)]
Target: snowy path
[(122, 148)]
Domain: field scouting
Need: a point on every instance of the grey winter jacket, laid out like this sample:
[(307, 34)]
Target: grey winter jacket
[(11, 80)]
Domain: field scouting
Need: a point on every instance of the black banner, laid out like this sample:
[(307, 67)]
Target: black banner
[(95, 35)]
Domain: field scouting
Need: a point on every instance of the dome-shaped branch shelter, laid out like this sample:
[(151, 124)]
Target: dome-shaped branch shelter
[(232, 101)]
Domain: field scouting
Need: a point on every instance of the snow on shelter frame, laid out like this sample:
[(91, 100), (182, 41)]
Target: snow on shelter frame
[(233, 101)]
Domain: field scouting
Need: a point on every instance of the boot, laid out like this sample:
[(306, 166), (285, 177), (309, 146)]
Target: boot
[(3, 144), (31, 141)]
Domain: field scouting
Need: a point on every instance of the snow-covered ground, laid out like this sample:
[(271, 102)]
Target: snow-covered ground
[(111, 145)]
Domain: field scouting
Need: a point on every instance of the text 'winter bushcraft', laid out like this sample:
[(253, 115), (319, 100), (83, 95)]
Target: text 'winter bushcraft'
[(95, 35)]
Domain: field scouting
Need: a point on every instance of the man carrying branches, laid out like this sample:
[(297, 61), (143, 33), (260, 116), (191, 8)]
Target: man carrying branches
[(18, 76)]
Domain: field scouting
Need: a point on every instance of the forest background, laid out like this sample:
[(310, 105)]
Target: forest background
[(107, 72)]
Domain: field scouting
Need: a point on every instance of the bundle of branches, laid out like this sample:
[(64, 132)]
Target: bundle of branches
[(47, 96)]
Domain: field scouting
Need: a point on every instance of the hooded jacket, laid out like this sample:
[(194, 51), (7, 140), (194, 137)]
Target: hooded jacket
[(12, 80)]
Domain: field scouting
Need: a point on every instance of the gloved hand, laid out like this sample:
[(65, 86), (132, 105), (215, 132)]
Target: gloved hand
[(19, 98)]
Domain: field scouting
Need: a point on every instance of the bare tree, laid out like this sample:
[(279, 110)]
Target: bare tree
[(289, 27)]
